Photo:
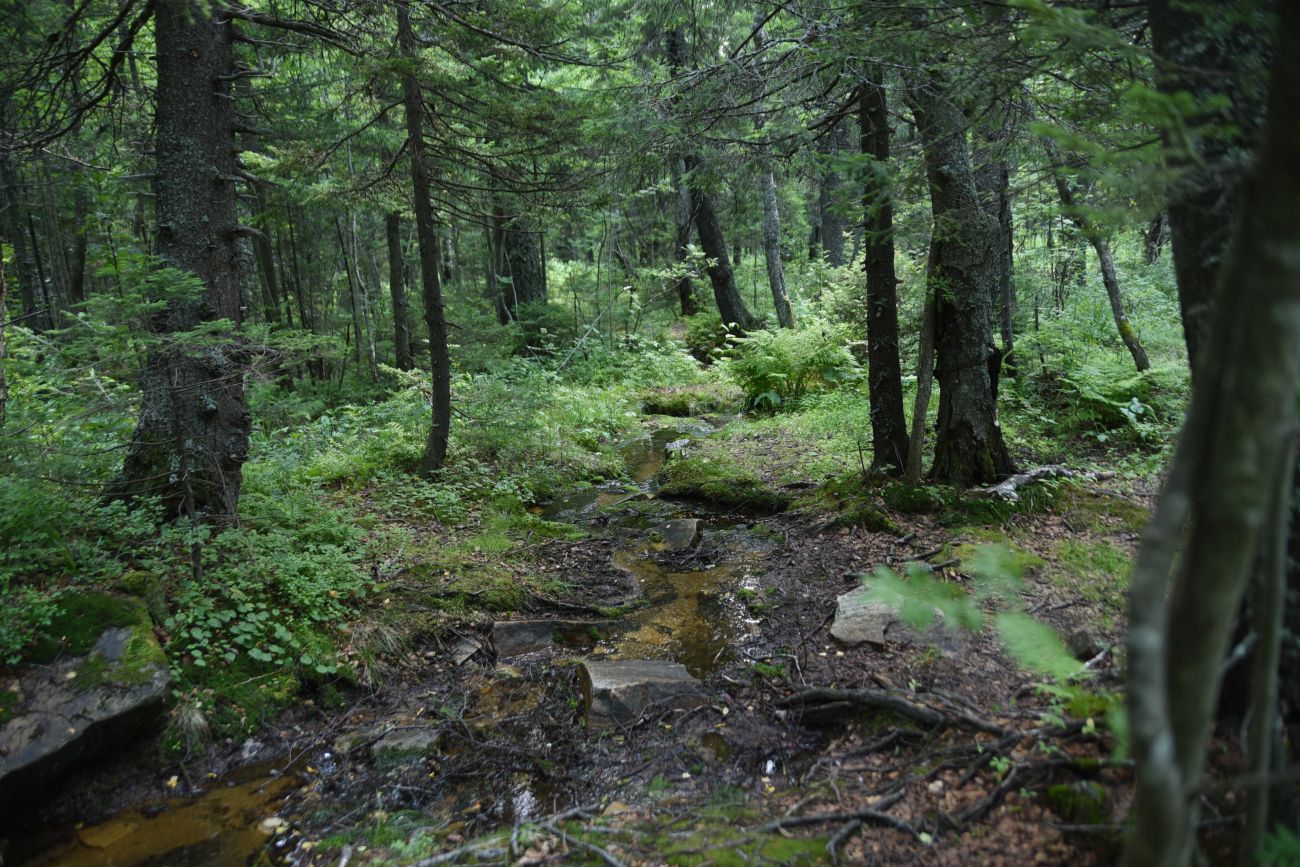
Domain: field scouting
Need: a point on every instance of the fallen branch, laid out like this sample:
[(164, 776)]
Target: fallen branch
[(873, 815), (1008, 490), (866, 698)]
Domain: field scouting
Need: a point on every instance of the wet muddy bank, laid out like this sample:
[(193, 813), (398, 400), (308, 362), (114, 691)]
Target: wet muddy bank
[(490, 741)]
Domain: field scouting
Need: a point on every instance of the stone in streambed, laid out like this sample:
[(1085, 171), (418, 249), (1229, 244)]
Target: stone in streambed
[(619, 691), (517, 637), (405, 742), (680, 534), (81, 706)]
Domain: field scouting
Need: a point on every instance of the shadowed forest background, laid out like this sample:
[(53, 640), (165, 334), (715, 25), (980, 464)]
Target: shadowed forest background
[(489, 431)]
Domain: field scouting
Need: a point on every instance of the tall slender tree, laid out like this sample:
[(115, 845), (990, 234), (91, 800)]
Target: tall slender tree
[(885, 376), (426, 233)]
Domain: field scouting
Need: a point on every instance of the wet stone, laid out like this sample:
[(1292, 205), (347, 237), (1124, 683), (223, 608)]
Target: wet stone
[(77, 708), (405, 742), (619, 691), (517, 637), (463, 649), (680, 534)]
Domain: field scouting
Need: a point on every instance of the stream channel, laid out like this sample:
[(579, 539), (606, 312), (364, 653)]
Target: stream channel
[(691, 610)]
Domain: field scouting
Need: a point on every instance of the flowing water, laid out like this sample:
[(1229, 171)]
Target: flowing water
[(691, 614)]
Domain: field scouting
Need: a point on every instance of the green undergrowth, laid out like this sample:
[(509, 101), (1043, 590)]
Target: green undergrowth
[(716, 834), (336, 528), (1095, 569), (686, 401)]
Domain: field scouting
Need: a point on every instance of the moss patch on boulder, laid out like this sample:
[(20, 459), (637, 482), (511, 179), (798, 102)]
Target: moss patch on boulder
[(714, 481), (84, 616)]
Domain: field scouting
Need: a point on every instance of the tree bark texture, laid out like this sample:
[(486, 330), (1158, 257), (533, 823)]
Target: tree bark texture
[(191, 437), (830, 217), (1205, 57), (772, 249), (725, 292), (1109, 276), (993, 182), (889, 438), (520, 277), (682, 237), (426, 234), (397, 289), (77, 279), (968, 440), (1215, 504)]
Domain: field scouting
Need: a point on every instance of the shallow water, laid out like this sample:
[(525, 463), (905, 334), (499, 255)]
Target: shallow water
[(222, 826)]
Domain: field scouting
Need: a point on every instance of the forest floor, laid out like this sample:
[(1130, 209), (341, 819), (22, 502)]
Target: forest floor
[(456, 755)]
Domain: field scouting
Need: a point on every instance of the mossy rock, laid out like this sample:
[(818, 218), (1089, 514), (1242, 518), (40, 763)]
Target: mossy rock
[(84, 616), (685, 401), (8, 701), (1081, 803), (702, 478), (147, 587)]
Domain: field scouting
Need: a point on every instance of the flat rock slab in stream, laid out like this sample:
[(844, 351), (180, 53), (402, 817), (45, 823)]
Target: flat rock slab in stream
[(680, 534), (619, 691), (859, 621), (405, 743), (517, 637), (78, 707)]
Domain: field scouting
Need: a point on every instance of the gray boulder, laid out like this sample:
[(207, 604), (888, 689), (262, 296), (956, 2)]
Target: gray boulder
[(517, 637), (680, 534), (859, 621), (80, 706), (619, 691)]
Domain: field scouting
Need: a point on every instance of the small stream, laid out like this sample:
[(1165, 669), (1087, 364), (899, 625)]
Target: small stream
[(691, 612)]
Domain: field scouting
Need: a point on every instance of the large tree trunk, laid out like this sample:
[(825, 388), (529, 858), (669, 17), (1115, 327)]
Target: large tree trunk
[(520, 277), (730, 305), (1216, 501), (435, 317), (993, 182), (968, 441), (397, 288), (1200, 54), (1109, 277), (889, 440), (77, 279), (191, 438)]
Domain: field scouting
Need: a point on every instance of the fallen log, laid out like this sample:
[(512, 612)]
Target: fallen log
[(1009, 489)]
